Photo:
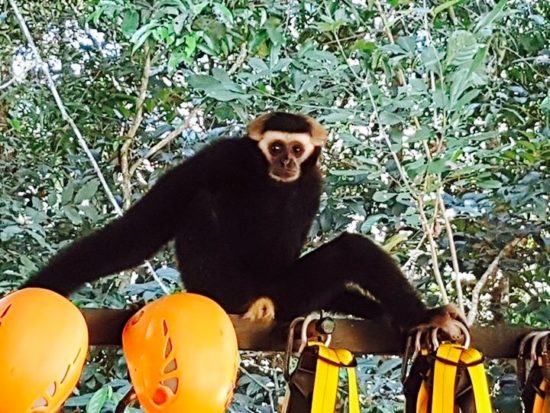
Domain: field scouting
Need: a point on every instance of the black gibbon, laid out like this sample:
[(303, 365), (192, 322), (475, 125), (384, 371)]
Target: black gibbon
[(239, 212)]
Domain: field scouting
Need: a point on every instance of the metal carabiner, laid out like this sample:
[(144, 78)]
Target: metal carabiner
[(306, 321), (461, 327)]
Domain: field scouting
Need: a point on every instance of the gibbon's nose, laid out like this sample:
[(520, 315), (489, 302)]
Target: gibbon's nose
[(286, 161)]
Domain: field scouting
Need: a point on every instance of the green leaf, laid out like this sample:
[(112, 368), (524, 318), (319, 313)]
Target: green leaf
[(490, 184), (87, 191), (461, 48), (458, 85), (130, 22), (421, 134), (371, 220), (225, 95), (545, 104), (203, 82), (382, 196), (141, 35), (430, 59), (444, 6), (394, 241), (258, 65), (98, 400), (223, 13), (491, 17), (73, 215), (438, 166), (338, 115), (418, 84), (390, 118), (178, 23), (68, 193), (175, 60), (9, 232), (275, 34)]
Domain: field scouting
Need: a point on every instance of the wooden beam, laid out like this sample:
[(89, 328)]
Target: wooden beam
[(360, 336)]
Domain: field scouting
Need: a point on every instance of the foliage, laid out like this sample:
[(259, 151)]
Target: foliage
[(428, 103)]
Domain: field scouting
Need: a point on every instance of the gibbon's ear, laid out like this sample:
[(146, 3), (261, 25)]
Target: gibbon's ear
[(256, 127), (317, 132)]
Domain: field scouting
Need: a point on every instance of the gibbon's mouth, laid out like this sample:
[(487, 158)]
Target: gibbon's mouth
[(284, 176)]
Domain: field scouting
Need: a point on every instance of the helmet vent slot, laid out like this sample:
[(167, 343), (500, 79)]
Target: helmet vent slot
[(52, 389), (65, 375), (172, 384), (41, 402), (135, 319), (5, 311), (170, 367), (168, 348), (76, 357)]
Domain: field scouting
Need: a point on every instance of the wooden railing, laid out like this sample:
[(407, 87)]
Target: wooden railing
[(360, 336)]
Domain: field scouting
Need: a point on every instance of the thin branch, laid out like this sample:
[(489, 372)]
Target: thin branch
[(131, 135), (439, 194), (402, 80), (452, 249), (240, 59), (489, 272), (419, 201), (163, 142), (82, 142), (8, 83)]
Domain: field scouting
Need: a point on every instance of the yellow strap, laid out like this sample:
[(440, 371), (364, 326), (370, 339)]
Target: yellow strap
[(354, 405), (478, 379), (423, 398), (443, 396), (325, 387), (542, 404)]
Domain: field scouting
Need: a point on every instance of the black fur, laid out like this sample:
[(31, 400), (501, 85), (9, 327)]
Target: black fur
[(239, 235), (286, 122)]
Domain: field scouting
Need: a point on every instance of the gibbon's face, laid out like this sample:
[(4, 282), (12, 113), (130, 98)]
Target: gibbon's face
[(286, 140), (285, 151)]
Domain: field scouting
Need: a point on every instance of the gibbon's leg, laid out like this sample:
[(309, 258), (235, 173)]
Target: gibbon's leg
[(355, 303), (318, 280)]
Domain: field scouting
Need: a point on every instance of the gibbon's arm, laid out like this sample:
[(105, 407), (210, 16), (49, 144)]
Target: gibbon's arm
[(140, 232)]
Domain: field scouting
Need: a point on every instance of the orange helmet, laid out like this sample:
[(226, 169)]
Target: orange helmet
[(43, 347), (182, 355)]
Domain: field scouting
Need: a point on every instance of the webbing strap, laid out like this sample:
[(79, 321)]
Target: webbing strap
[(542, 398), (353, 399), (443, 393), (423, 399), (476, 371), (325, 387)]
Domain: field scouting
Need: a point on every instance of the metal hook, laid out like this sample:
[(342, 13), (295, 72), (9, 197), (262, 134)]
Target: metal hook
[(461, 327), (539, 335), (303, 337), (290, 344), (523, 343)]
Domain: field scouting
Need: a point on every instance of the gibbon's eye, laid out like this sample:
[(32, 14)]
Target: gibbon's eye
[(276, 148), (297, 150)]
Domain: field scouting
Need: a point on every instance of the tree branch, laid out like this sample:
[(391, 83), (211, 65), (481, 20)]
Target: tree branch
[(489, 272), (8, 83), (439, 198), (240, 59), (163, 142), (82, 142), (130, 136)]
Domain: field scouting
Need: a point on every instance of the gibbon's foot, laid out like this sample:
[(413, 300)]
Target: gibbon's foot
[(445, 318), (262, 309)]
